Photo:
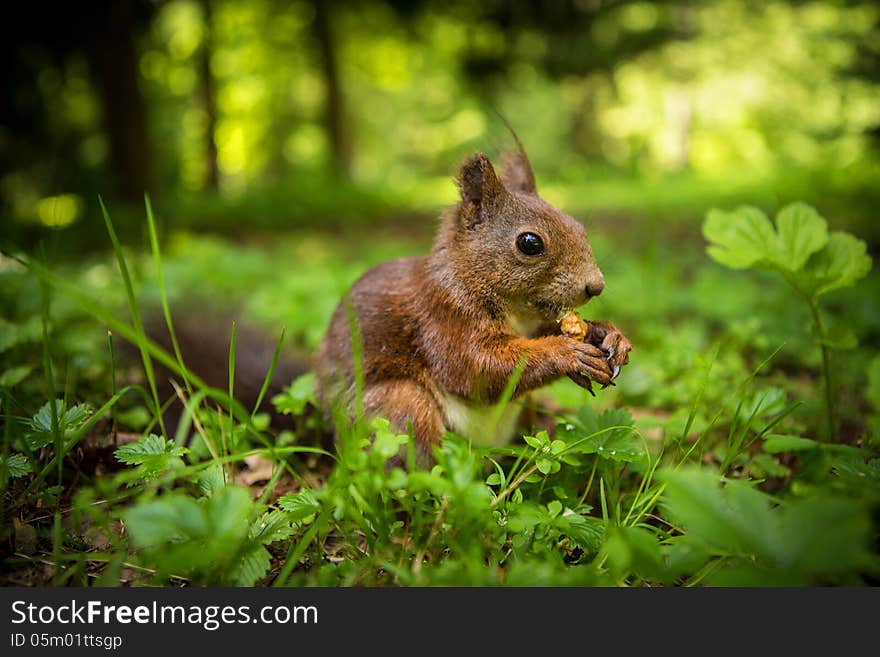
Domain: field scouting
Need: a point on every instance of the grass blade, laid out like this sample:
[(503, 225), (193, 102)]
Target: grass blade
[(140, 335)]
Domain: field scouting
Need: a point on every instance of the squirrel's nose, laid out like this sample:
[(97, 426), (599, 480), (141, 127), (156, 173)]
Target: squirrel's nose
[(595, 285)]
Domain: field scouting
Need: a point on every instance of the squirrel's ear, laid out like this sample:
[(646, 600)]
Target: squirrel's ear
[(479, 187), (516, 172)]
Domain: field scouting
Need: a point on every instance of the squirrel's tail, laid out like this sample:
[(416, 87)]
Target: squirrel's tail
[(204, 342)]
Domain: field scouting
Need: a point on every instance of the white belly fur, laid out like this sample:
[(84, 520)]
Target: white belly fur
[(474, 420)]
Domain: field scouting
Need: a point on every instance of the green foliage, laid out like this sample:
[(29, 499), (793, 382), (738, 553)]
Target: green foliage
[(801, 248), (702, 466), (809, 541), (185, 537), (70, 421), (153, 454), (295, 397), (812, 261), (14, 465), (607, 434)]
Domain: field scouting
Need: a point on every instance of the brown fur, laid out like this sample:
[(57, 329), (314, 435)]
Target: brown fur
[(445, 324)]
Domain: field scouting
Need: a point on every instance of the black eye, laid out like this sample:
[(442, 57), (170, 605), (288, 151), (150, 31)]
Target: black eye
[(530, 244)]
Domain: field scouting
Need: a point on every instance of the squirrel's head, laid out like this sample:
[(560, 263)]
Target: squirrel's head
[(515, 247)]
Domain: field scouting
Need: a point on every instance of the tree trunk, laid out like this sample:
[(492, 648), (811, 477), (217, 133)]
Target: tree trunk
[(114, 65), (209, 104), (334, 110)]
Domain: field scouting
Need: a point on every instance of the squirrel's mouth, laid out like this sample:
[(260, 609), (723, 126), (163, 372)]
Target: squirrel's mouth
[(546, 309)]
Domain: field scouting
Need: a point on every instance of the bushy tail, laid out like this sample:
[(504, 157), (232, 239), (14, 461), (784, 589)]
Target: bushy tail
[(204, 341)]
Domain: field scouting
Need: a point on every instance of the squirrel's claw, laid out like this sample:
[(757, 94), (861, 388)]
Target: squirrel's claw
[(583, 380)]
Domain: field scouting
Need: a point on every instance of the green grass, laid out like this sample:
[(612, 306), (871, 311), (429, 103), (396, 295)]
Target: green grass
[(703, 466)]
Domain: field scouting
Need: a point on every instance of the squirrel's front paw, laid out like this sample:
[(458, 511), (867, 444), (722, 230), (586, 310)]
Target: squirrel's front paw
[(616, 348), (586, 362)]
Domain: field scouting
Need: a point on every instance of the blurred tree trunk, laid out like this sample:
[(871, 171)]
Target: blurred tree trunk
[(334, 110), (209, 103), (114, 64)]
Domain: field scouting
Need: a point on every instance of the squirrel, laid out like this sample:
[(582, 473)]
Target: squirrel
[(441, 335)]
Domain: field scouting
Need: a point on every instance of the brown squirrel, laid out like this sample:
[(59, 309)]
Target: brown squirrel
[(442, 335)]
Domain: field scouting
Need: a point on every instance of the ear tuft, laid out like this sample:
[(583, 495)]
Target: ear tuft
[(516, 171), (477, 181)]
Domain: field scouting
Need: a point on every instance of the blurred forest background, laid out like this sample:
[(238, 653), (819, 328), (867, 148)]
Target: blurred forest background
[(270, 114)]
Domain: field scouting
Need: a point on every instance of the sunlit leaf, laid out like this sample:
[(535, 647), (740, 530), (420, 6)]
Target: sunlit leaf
[(842, 262), (739, 239), (801, 232)]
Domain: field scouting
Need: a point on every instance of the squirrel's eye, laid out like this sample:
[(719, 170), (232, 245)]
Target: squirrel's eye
[(530, 244)]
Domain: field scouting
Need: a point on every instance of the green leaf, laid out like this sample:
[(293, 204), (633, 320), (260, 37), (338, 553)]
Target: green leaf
[(174, 517), (554, 508), (68, 421), (272, 526), (633, 550), (735, 518), (494, 479), (153, 454), (145, 448), (386, 441), (739, 239), (254, 565), (228, 512), (608, 434), (545, 466), (295, 397), (776, 443), (180, 535), (14, 375), (300, 506), (824, 537), (532, 441), (801, 233), (765, 465), (842, 262), (211, 480), (15, 465), (585, 531)]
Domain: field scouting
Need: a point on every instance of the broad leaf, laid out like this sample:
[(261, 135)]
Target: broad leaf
[(153, 454), (824, 537), (272, 526), (254, 564), (181, 535), (735, 518), (15, 465), (608, 434), (740, 238), (69, 422), (584, 531), (801, 232), (300, 506), (842, 262)]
